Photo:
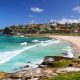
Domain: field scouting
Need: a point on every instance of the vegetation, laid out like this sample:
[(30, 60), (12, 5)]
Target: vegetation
[(66, 76), (59, 62), (62, 63), (7, 31), (51, 28)]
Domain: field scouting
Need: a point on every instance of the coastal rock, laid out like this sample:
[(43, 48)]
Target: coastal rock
[(46, 69), (55, 58), (4, 75), (27, 66), (68, 69), (27, 74), (49, 59)]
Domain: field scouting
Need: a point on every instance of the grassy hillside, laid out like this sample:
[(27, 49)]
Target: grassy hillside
[(66, 76)]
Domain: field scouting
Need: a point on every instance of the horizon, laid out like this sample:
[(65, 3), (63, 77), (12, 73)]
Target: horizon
[(15, 12)]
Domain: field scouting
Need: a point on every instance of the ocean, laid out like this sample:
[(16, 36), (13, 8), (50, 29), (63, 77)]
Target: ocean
[(17, 52)]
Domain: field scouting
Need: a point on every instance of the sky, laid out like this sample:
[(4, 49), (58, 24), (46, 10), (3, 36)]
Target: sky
[(15, 12)]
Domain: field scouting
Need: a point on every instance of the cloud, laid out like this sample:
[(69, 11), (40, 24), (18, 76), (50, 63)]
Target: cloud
[(77, 8), (36, 9), (65, 20), (52, 20)]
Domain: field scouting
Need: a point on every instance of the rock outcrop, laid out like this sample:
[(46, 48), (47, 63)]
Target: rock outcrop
[(51, 66)]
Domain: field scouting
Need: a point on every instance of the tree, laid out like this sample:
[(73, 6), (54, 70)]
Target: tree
[(7, 31)]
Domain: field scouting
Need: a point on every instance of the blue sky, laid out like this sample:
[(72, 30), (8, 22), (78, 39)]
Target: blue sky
[(14, 12)]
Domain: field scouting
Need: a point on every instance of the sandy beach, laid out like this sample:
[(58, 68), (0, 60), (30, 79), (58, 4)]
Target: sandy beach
[(74, 40)]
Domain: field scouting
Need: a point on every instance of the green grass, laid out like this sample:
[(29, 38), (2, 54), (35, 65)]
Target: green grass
[(67, 76), (61, 63)]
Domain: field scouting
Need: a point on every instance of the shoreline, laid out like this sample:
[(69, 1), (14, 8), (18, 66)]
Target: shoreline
[(73, 40), (67, 39), (44, 70)]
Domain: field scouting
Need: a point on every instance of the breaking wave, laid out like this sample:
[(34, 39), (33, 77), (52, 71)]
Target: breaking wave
[(69, 53), (35, 40), (24, 43), (8, 56), (11, 54)]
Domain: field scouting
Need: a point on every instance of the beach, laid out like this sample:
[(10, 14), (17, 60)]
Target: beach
[(73, 40)]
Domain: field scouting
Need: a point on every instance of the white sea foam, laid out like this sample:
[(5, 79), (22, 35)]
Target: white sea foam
[(69, 53), (35, 40), (50, 42), (22, 36), (24, 43), (35, 64), (67, 48), (9, 56)]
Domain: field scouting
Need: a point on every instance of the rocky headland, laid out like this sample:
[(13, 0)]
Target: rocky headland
[(50, 67)]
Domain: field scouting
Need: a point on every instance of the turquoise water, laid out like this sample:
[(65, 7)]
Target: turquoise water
[(16, 52)]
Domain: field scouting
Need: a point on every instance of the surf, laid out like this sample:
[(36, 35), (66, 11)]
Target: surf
[(6, 58), (24, 43)]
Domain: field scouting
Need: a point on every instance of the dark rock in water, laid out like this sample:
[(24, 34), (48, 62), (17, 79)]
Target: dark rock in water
[(29, 62), (42, 66), (64, 53), (27, 66)]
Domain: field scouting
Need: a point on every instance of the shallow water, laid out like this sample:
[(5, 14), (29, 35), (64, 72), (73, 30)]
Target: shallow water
[(16, 52)]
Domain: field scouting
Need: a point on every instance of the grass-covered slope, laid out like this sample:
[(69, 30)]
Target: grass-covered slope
[(66, 76)]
